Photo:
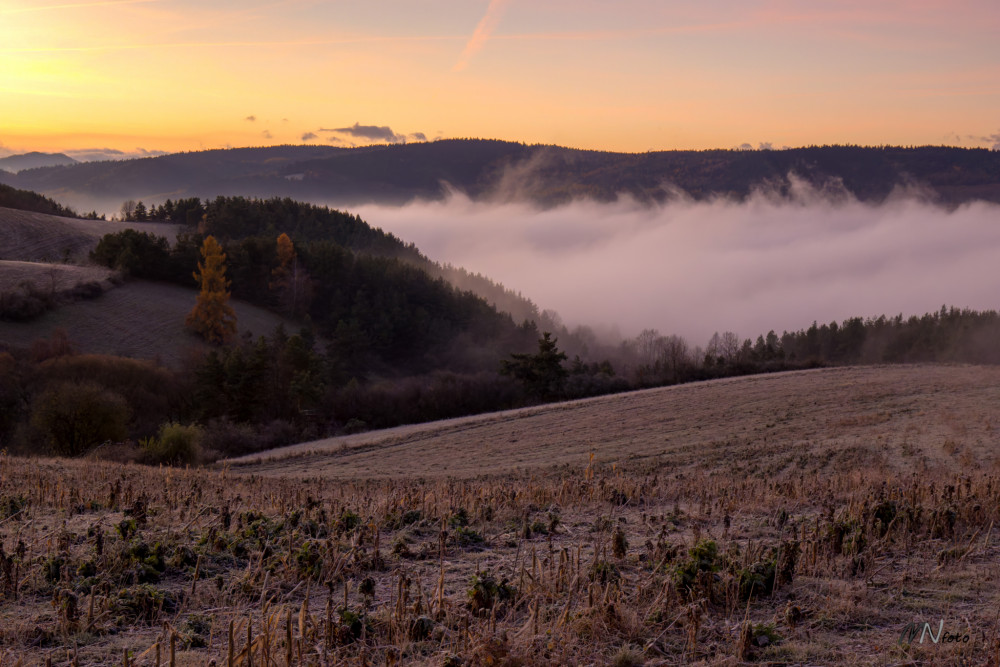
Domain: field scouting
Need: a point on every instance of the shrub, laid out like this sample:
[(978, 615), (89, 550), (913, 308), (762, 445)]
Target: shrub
[(136, 253), (74, 416), (142, 603), (21, 307), (465, 537), (154, 394), (485, 592), (224, 437), (56, 345), (12, 507), (29, 301), (702, 562), (85, 290), (176, 444), (757, 579)]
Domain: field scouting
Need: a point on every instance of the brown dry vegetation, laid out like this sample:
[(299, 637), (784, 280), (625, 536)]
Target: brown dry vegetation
[(812, 421), (138, 319), (802, 518)]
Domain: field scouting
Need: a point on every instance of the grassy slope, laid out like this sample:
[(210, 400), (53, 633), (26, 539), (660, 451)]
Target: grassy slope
[(750, 463), (36, 237), (896, 416), (56, 277), (139, 319)]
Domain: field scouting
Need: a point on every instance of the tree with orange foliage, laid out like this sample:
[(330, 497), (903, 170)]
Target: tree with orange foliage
[(212, 317), (291, 282)]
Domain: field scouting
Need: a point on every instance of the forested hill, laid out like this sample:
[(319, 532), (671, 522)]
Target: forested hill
[(491, 170), (237, 218), (384, 305), (25, 200)]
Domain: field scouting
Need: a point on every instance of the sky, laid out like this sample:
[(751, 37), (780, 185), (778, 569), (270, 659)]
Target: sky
[(119, 78)]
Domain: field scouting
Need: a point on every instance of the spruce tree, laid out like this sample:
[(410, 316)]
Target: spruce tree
[(542, 374)]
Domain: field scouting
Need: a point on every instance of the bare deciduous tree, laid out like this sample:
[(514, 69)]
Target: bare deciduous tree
[(128, 209)]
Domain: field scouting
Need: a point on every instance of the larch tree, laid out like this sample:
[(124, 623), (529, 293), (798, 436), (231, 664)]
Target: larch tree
[(290, 280), (212, 317)]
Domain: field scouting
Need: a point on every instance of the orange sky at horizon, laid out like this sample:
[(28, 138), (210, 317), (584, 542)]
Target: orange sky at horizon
[(141, 76)]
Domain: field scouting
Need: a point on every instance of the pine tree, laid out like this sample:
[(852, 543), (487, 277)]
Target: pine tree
[(212, 317), (542, 374)]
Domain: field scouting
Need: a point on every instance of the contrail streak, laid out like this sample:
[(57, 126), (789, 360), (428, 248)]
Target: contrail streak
[(482, 33)]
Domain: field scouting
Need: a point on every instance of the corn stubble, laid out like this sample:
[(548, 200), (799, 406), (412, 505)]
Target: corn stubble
[(102, 563)]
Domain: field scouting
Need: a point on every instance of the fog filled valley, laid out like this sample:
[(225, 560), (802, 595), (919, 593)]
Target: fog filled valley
[(469, 431), (385, 315), (482, 333), (693, 268)]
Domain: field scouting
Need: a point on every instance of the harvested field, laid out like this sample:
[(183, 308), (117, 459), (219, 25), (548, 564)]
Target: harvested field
[(36, 237), (817, 518), (139, 319), (903, 418)]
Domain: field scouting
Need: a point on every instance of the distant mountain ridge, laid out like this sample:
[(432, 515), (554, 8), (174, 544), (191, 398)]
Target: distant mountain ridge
[(34, 160), (501, 171)]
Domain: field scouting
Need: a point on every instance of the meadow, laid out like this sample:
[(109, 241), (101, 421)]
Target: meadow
[(47, 257), (794, 518), (37, 237)]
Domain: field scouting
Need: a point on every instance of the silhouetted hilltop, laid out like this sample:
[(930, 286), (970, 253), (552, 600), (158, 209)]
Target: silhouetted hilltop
[(498, 170), (33, 160)]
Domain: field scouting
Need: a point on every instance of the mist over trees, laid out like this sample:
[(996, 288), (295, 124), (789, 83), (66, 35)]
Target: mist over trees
[(383, 339), (490, 170), (950, 335), (384, 343)]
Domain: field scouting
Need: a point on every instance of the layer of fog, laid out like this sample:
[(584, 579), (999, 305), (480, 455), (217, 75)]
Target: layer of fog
[(693, 268)]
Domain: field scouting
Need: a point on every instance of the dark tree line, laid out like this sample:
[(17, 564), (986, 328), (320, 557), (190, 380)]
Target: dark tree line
[(948, 335), (26, 200)]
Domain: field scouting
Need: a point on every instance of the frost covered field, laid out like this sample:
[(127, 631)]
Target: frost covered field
[(795, 518)]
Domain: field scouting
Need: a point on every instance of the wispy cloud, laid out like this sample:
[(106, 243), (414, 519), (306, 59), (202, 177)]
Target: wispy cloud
[(309, 136), (251, 118), (482, 33), (993, 139)]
